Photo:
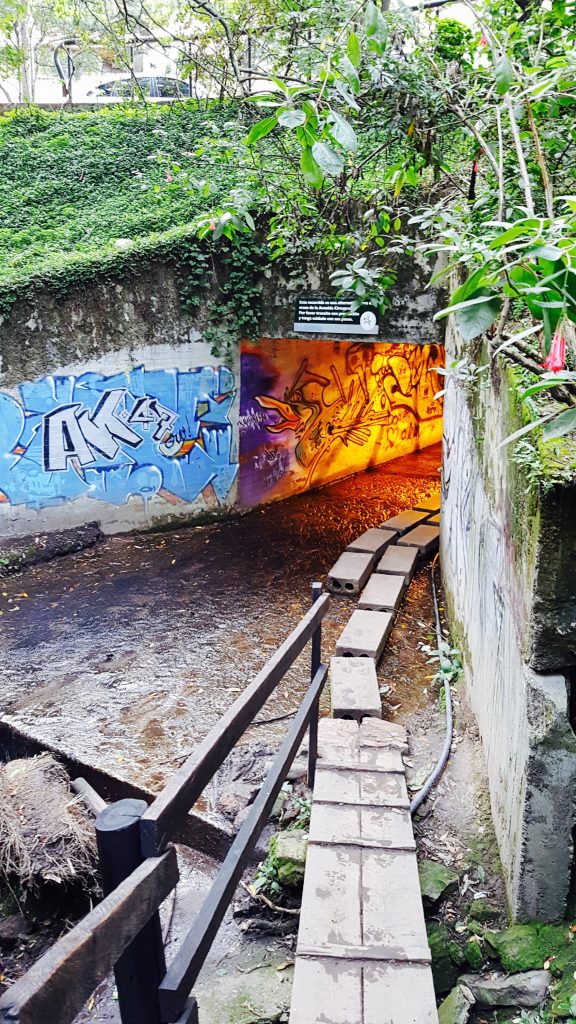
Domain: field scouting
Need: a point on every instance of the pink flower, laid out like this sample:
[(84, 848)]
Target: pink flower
[(212, 224), (556, 359), (483, 40), (168, 175)]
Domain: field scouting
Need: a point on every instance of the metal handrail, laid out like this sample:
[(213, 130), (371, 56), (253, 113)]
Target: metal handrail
[(138, 873)]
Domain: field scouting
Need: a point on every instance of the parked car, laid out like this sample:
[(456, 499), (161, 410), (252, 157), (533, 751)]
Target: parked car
[(125, 87)]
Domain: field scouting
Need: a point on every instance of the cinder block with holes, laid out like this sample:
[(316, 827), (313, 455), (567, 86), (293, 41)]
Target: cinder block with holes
[(354, 688), (404, 521), (374, 541), (383, 593), (399, 561), (350, 572), (365, 635), (425, 538)]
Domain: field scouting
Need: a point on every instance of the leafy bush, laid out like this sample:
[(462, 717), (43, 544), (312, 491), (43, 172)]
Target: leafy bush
[(83, 192)]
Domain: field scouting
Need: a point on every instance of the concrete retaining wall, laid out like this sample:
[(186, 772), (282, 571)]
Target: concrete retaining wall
[(115, 411), (502, 570)]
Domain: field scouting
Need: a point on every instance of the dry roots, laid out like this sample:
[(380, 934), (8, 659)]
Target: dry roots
[(45, 835)]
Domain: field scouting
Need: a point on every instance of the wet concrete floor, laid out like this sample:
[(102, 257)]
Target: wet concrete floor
[(124, 656)]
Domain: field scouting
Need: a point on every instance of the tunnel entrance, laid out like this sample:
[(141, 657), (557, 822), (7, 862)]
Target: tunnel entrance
[(314, 411)]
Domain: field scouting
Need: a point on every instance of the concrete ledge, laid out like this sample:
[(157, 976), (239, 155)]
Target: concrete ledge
[(354, 688), (374, 541), (349, 574), (383, 593), (365, 634)]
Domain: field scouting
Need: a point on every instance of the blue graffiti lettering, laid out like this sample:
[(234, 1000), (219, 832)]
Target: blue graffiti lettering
[(135, 434)]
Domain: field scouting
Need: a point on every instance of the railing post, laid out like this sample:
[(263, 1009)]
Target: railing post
[(142, 966), (316, 658)]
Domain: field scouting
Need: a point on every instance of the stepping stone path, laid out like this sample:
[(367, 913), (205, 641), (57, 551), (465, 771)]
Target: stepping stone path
[(362, 955), (430, 505)]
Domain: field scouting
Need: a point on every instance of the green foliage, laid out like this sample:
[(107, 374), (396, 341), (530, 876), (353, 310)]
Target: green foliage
[(367, 284), (304, 808), (447, 658), (82, 194), (452, 39), (266, 877)]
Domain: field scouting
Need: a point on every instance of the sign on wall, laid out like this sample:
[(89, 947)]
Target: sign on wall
[(321, 314)]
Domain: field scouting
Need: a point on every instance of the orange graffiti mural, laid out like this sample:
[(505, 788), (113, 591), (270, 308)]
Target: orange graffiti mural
[(312, 411)]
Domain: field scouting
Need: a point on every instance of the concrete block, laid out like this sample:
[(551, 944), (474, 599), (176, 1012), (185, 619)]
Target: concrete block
[(368, 759), (434, 520), (374, 733), (399, 561), (383, 593), (425, 538), (373, 746), (374, 541), (333, 991), (398, 994), (333, 733), (326, 990), (354, 688), (404, 521), (365, 634), (387, 828), (366, 789), (430, 505), (350, 572), (331, 911), (393, 916)]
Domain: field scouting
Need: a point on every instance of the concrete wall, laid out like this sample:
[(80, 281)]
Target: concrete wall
[(502, 568), (114, 410)]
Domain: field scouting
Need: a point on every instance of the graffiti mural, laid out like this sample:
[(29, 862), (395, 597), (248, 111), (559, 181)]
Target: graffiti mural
[(135, 434), (312, 411)]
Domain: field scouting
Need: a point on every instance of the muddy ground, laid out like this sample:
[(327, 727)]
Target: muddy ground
[(122, 657)]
